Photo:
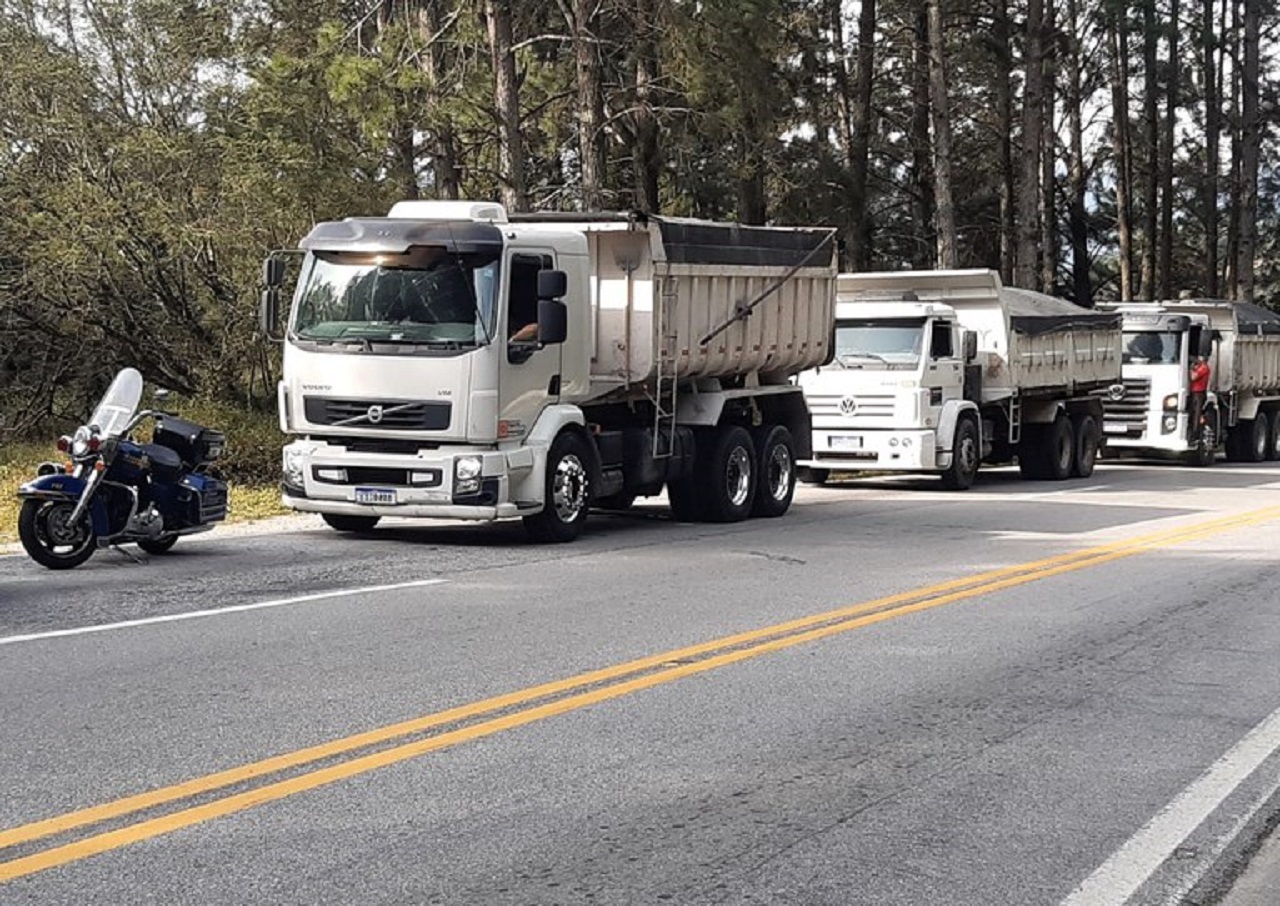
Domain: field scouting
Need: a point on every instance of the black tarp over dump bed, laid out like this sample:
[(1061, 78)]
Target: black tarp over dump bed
[(1034, 314)]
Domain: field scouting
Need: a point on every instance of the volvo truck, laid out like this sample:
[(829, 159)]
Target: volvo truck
[(451, 360)]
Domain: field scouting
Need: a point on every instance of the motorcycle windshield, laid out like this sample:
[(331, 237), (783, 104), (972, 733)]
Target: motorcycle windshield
[(118, 403)]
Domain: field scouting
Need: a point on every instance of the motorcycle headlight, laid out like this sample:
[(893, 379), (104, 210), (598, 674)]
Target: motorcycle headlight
[(80, 441), (466, 474)]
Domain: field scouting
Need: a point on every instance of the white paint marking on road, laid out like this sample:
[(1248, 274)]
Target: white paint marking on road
[(218, 611), (1117, 879)]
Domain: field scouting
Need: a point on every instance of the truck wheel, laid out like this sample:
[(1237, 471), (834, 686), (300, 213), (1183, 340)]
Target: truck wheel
[(1086, 453), (807, 475), (1257, 439), (966, 453), (350, 523), (1047, 451), (775, 471), (1273, 451), (567, 497), (727, 476)]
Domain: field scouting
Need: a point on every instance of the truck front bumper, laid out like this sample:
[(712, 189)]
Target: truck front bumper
[(468, 483), (880, 451)]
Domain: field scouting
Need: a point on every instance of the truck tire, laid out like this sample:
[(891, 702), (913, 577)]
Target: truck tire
[(1046, 452), (808, 475), (1257, 438), (775, 471), (355, 524), (1273, 452), (567, 498), (726, 475), (1087, 439), (966, 454)]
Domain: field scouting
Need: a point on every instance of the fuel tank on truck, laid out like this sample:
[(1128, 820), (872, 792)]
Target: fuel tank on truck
[(662, 286)]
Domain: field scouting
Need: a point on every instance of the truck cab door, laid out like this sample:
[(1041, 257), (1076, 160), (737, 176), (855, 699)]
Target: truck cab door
[(529, 377), (943, 370)]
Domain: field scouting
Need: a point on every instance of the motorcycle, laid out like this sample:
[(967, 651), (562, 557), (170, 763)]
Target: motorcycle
[(116, 490)]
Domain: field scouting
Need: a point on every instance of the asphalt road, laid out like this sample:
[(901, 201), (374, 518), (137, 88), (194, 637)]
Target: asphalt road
[(1027, 693)]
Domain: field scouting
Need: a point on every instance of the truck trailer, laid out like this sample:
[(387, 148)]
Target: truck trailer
[(453, 361), (939, 371), (1150, 413)]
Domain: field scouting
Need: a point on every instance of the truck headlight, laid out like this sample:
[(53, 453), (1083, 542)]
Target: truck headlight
[(466, 475), (1169, 424), (293, 467), (1171, 401)]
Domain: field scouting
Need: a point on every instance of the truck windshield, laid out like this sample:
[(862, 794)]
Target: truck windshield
[(427, 296), (893, 345), (1152, 347)]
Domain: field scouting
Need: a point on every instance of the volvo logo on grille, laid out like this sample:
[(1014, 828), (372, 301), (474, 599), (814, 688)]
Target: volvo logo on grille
[(848, 406), (374, 414), (1116, 392)]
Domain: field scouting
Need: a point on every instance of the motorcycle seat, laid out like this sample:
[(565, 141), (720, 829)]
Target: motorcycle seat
[(165, 463)]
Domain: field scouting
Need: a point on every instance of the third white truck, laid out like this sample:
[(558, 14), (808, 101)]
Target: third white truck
[(939, 371), (1149, 412)]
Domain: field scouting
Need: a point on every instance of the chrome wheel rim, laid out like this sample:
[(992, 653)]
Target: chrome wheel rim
[(569, 488), (57, 534), (780, 471), (737, 476)]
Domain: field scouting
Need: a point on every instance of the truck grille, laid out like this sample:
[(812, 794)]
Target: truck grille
[(1132, 405), (866, 405), (391, 415), (1128, 414), (379, 475)]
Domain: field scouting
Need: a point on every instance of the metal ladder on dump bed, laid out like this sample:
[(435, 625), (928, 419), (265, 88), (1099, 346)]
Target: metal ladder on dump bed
[(665, 396)]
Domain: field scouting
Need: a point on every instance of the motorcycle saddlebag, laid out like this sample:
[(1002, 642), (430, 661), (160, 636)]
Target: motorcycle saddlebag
[(194, 443), (210, 498)]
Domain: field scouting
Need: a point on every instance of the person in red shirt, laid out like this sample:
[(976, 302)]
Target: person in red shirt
[(1199, 388)]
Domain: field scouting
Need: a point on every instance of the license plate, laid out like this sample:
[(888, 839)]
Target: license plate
[(845, 442), (376, 495)]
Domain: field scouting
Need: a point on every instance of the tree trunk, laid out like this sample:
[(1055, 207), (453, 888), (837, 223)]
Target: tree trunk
[(581, 17), (922, 249), (1212, 131), (941, 115), (1151, 141), (860, 133), (1119, 40), (1232, 276), (506, 98), (1004, 140), (1251, 145), (648, 159), (441, 139), (1164, 265), (1049, 158), (1032, 124), (1081, 286)]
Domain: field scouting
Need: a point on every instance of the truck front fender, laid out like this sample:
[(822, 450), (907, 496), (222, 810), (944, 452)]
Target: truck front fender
[(950, 417), (551, 421)]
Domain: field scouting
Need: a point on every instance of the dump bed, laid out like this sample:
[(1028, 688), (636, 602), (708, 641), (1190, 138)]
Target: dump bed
[(665, 292), (1028, 342), (1247, 356)]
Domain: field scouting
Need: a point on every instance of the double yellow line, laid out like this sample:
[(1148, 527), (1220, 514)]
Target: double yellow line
[(532, 704)]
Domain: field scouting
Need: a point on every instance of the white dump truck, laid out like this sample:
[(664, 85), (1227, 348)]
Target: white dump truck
[(452, 361), (1150, 412), (939, 371)]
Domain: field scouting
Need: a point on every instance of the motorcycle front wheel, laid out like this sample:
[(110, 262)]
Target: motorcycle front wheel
[(49, 538)]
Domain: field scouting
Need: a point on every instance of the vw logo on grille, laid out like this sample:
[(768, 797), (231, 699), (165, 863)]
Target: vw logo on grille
[(848, 406), (374, 414), (1116, 392)]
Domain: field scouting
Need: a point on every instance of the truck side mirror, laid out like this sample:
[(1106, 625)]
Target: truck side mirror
[(551, 285), (269, 313), (553, 318), (272, 272), (969, 340)]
